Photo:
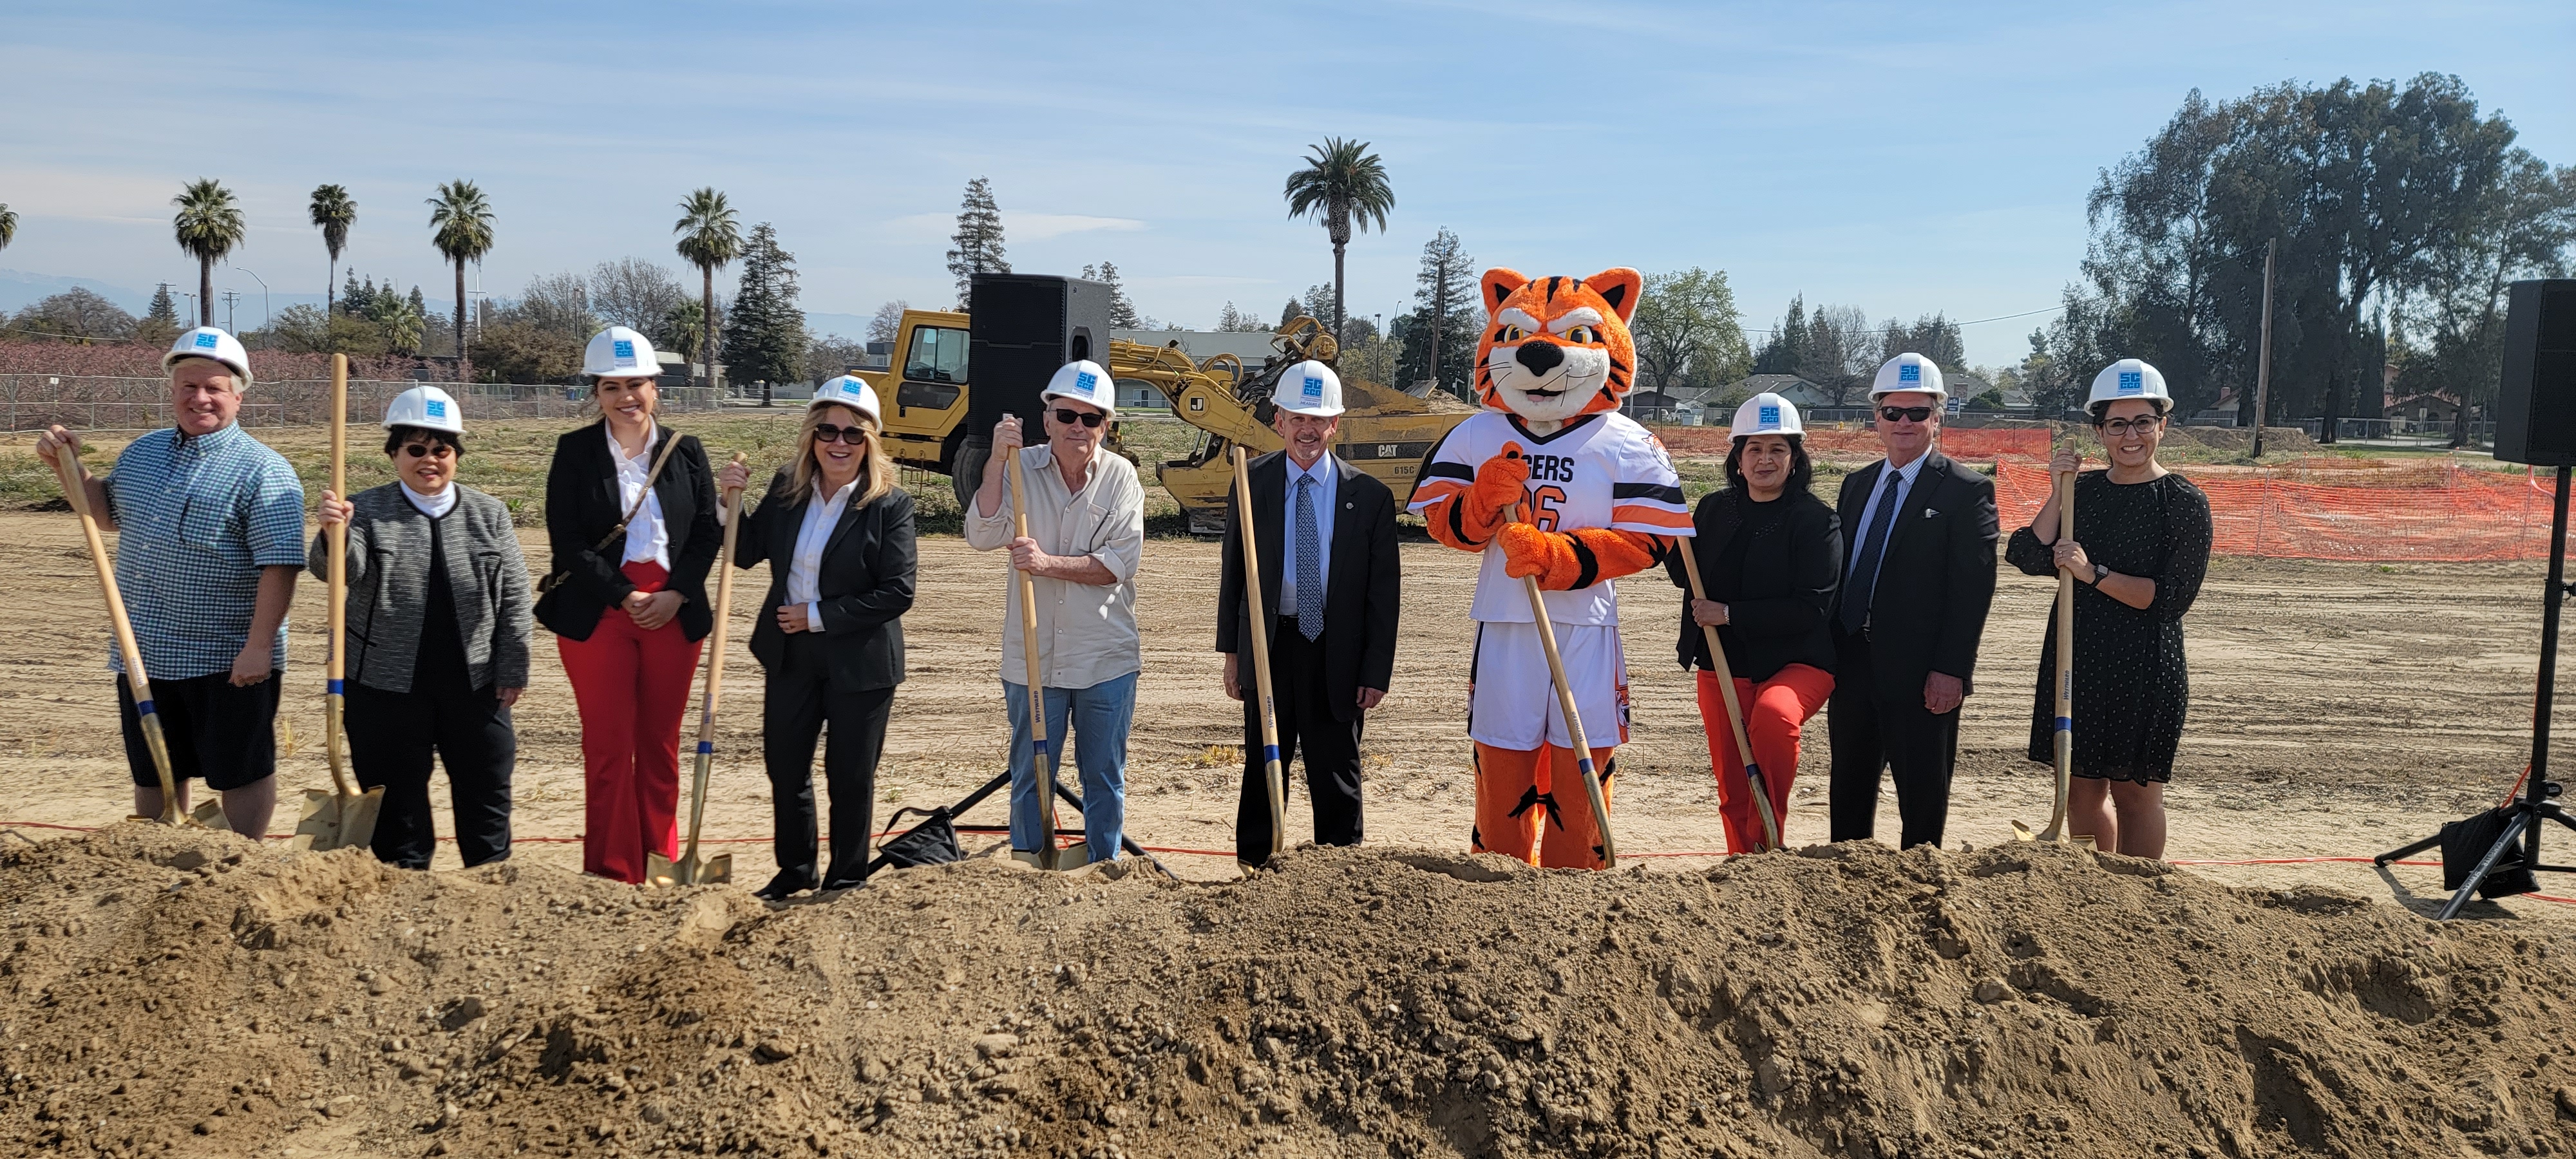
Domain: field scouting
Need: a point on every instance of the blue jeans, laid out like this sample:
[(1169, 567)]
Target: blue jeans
[(1100, 716)]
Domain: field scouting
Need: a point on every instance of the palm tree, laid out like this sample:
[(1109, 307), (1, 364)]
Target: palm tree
[(460, 223), (8, 226), (209, 225), (333, 214), (1344, 185), (709, 238)]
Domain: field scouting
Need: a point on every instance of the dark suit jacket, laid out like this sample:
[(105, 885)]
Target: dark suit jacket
[(1778, 617), (1360, 595), (1936, 579), (865, 582), (582, 503)]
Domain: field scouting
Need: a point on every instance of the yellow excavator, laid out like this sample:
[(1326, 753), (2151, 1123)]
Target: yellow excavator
[(1385, 432)]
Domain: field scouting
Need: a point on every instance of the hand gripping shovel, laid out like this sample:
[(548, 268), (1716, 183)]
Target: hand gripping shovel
[(2065, 739), (343, 816), (1042, 764), (1259, 630), (1565, 703), (1734, 711), (136, 682), (718, 869)]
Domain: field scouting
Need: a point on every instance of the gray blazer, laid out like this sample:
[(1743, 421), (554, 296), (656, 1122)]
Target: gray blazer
[(389, 583)]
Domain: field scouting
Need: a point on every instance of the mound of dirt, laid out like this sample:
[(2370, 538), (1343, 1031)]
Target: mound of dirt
[(186, 993)]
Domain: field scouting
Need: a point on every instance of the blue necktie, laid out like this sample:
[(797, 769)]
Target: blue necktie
[(1310, 570), (1863, 584)]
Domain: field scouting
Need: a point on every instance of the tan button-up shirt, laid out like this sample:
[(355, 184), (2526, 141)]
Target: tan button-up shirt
[(1086, 633)]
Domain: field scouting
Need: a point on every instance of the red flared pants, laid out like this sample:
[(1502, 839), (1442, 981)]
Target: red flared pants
[(632, 688), (1774, 711)]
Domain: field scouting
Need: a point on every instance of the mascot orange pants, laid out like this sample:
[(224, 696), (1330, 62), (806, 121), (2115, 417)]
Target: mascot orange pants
[(1520, 810)]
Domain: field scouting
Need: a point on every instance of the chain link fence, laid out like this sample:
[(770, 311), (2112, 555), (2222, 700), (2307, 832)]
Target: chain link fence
[(31, 402)]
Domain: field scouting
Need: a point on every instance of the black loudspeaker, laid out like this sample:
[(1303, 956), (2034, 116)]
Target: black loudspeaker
[(1024, 327), (2536, 400)]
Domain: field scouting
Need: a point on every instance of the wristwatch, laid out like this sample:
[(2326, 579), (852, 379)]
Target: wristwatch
[(2098, 572)]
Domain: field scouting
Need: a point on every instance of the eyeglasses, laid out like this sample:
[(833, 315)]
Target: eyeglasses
[(1086, 418), (1919, 414), (827, 433), (2122, 428), (429, 450)]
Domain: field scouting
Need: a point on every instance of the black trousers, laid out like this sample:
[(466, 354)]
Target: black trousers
[(799, 701), (1871, 732), (1332, 747), (392, 736)]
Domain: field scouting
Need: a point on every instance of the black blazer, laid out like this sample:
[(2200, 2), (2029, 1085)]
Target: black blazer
[(865, 582), (582, 503), (1777, 617), (1936, 579), (1360, 595)]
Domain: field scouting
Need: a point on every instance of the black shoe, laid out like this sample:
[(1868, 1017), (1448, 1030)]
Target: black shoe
[(840, 883), (782, 887)]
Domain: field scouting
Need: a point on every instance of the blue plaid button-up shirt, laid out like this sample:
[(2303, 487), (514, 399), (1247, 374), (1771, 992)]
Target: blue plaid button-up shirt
[(197, 519)]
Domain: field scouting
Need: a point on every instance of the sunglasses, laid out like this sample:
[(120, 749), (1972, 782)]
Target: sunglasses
[(429, 450), (1086, 418), (1917, 414), (827, 433), (2121, 428)]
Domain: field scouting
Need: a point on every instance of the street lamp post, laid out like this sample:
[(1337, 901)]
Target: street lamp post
[(263, 296)]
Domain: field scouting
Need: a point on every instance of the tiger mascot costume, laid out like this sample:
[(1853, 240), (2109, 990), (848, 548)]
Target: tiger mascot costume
[(1598, 499)]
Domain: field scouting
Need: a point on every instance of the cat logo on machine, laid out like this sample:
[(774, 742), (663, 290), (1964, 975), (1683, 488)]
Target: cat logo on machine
[(1386, 450)]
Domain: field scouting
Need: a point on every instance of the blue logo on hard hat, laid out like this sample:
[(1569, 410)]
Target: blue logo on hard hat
[(1084, 380), (624, 349), (1314, 387), (205, 340), (1910, 372), (2132, 382), (1770, 416), (437, 409)]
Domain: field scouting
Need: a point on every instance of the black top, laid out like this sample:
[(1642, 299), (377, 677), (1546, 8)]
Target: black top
[(583, 501), (442, 645), (1936, 578), (864, 582), (1774, 565), (2131, 687), (1360, 593)]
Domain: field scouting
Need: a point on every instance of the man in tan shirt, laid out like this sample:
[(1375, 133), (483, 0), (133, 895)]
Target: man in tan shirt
[(1086, 535)]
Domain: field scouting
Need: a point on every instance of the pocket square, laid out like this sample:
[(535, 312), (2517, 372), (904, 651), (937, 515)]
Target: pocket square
[(1929, 512)]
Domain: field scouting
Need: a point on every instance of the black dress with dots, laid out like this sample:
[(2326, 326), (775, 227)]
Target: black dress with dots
[(2131, 687)]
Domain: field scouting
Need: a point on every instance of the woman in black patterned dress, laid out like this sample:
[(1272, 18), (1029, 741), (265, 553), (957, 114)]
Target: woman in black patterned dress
[(2141, 545)]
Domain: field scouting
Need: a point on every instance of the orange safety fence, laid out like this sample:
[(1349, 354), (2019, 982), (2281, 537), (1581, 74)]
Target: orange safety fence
[(1978, 445), (2321, 509)]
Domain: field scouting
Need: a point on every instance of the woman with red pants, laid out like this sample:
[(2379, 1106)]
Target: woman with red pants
[(1770, 553), (631, 513)]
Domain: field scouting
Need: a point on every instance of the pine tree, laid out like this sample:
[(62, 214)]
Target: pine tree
[(1444, 303), (161, 321), (1122, 313), (764, 337), (349, 302), (978, 240)]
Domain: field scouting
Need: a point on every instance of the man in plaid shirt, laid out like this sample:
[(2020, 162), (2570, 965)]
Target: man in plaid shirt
[(211, 536)]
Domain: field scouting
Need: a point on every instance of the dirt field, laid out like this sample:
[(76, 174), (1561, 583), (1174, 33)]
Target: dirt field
[(2338, 709)]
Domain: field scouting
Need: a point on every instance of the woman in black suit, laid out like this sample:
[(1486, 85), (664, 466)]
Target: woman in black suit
[(630, 606), (837, 534)]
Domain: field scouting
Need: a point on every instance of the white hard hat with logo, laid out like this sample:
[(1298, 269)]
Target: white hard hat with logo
[(619, 352), (1766, 414), (211, 343), (1084, 381), (1309, 388), (2129, 378), (852, 392), (427, 408), (1908, 372)]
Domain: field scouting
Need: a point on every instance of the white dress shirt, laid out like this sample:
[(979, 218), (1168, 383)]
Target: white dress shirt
[(822, 515), (432, 505), (1086, 633), (646, 537), (1902, 480), (1327, 479)]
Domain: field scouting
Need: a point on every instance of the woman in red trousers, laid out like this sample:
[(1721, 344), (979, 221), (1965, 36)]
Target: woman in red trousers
[(629, 604), (1770, 553)]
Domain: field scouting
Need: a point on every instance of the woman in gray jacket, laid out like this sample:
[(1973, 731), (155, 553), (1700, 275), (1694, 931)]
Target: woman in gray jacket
[(439, 615)]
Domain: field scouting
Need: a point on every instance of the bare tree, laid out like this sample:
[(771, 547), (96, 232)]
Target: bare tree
[(887, 323), (636, 293)]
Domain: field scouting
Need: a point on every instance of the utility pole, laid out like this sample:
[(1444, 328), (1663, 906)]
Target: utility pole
[(2263, 360), (230, 297)]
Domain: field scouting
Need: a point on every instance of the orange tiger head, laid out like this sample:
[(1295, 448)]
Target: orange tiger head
[(1557, 347)]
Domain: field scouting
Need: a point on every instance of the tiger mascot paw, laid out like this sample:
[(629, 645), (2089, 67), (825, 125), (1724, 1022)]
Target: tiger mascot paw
[(1501, 481)]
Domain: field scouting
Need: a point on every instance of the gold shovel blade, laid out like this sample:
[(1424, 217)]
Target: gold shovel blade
[(660, 872), (211, 815), (332, 821), (2023, 832)]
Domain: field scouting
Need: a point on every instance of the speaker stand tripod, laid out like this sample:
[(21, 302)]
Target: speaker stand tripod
[(2537, 803)]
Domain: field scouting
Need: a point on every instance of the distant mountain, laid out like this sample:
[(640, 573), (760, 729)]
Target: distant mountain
[(19, 290)]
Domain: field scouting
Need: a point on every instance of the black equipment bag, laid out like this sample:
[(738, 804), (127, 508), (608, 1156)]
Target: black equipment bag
[(933, 842)]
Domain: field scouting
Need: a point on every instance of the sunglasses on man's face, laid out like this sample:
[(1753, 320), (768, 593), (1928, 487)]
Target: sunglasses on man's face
[(429, 450), (1068, 417), (1917, 414), (827, 433)]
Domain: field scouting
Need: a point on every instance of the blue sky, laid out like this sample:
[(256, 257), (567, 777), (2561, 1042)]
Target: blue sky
[(1904, 158)]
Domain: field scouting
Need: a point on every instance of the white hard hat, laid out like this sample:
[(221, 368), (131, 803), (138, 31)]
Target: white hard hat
[(852, 392), (1766, 414), (2129, 378), (619, 352), (426, 407), (210, 342), (1309, 388), (1084, 381), (1908, 372)]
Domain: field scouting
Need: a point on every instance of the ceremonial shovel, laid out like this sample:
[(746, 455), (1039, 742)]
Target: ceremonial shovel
[(716, 870), (1042, 765), (1734, 711), (2065, 738), (1565, 701), (68, 470), (1259, 631), (343, 816)]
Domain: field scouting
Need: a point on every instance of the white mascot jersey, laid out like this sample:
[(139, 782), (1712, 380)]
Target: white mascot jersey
[(1599, 470)]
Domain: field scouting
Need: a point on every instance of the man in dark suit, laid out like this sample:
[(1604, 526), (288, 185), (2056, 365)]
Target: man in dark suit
[(1329, 590), (1918, 581)]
